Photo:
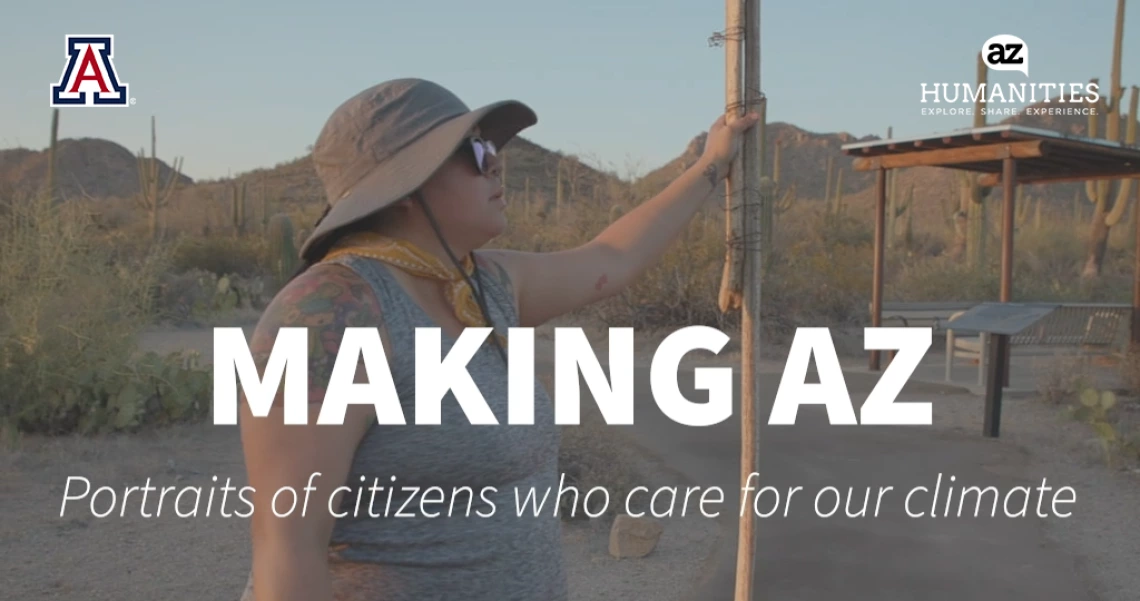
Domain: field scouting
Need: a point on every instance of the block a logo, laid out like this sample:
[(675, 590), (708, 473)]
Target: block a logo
[(1006, 52), (89, 77)]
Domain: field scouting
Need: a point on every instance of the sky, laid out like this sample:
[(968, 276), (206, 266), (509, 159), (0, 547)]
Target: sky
[(236, 86)]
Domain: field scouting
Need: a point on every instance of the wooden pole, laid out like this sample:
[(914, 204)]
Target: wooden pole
[(1009, 196), (752, 153), (732, 284), (877, 273)]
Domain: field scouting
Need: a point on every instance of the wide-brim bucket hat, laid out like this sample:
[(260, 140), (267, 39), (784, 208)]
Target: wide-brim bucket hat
[(383, 143)]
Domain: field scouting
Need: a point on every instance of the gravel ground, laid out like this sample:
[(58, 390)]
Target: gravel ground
[(1103, 529), (80, 557)]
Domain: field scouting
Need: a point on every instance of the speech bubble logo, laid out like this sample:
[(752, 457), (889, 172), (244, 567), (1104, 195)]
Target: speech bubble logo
[(1006, 52)]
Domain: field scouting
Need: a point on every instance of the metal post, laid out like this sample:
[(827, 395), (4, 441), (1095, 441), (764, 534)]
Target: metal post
[(995, 376), (1009, 196), (877, 281), (1136, 276)]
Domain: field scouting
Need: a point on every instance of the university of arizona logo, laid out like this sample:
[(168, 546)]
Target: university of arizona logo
[(89, 77)]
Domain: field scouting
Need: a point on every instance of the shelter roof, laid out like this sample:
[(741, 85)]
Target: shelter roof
[(1043, 156)]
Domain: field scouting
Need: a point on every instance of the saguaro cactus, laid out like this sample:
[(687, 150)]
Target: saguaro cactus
[(1110, 198), (1028, 210), (558, 186), (49, 183), (895, 209), (237, 208), (153, 196), (263, 202), (774, 201), (527, 208), (969, 221), (835, 193), (282, 251)]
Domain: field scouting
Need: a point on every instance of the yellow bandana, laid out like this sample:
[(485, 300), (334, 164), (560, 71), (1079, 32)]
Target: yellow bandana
[(417, 262)]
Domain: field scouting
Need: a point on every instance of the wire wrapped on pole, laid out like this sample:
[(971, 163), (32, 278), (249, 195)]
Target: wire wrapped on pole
[(743, 266), (747, 177), (732, 280)]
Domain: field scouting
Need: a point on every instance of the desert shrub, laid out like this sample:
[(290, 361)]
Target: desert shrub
[(1062, 378), (825, 272), (196, 295), (681, 288), (221, 255), (820, 266), (1115, 425), (1053, 252), (70, 313), (821, 270), (1129, 367), (942, 279)]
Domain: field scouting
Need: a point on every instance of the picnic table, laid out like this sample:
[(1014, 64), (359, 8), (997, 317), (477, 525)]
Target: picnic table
[(986, 331), (1083, 326)]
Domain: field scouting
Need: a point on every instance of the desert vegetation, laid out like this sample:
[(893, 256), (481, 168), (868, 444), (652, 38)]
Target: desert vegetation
[(81, 275)]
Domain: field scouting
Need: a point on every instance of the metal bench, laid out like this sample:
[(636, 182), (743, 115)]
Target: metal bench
[(929, 314), (965, 347), (1086, 326), (922, 314)]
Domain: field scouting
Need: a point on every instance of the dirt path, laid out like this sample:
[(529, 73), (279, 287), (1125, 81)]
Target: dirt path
[(81, 557), (1103, 532), (76, 556)]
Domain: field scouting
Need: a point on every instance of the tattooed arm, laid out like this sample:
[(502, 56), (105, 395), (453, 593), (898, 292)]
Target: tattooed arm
[(290, 553), (551, 284)]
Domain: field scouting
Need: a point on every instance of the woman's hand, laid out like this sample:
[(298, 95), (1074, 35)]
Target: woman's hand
[(724, 142), (551, 284)]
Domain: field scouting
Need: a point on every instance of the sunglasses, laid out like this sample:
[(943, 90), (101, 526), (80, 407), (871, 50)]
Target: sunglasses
[(481, 151)]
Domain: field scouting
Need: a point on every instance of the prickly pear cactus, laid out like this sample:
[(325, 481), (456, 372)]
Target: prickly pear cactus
[(282, 249)]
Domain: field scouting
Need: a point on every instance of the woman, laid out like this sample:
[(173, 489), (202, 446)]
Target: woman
[(412, 179)]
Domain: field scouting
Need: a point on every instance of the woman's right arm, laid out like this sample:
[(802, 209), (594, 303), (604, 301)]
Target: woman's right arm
[(290, 554)]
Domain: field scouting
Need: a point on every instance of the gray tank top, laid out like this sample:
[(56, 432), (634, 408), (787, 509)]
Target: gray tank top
[(485, 550)]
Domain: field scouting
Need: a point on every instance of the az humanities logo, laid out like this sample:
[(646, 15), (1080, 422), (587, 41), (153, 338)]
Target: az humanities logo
[(89, 77), (1006, 52)]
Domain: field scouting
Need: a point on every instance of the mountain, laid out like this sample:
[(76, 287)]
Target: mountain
[(803, 161), (85, 168), (99, 169), (95, 168)]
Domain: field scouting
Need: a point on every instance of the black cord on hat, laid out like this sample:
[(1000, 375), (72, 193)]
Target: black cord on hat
[(322, 248), (479, 294)]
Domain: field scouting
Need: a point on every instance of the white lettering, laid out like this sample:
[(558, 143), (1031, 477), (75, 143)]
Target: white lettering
[(716, 380), (356, 345), (436, 376), (520, 376), (571, 348), (879, 409), (933, 92), (831, 391), (231, 352)]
